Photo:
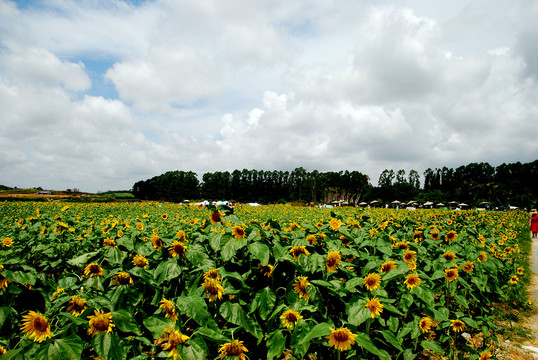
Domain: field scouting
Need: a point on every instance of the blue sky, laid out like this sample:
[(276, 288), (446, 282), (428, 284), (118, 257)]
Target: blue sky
[(99, 94)]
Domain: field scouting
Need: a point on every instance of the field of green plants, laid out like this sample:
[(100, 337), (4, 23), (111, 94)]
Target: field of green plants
[(150, 280)]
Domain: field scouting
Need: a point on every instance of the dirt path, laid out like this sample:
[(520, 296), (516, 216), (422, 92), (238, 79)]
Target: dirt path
[(528, 350)]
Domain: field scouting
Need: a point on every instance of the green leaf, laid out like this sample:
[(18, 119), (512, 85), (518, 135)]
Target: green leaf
[(266, 302), (392, 309), (126, 242), (196, 308), (197, 256), (74, 319), (260, 252), (470, 322), (234, 313), (408, 354), (108, 346), (276, 343), (197, 349), (115, 255), (363, 340), (425, 295), (351, 284), (67, 348), (21, 277), (214, 241), (82, 259), (406, 300), (358, 313), (125, 322), (213, 335), (431, 345), (437, 275), (167, 271), (321, 329), (156, 325), (461, 301), (4, 314), (393, 323), (391, 339)]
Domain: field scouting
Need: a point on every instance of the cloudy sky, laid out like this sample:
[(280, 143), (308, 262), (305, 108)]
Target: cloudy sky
[(99, 94)]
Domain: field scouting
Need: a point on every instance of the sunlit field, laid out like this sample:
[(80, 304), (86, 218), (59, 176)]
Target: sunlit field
[(150, 280)]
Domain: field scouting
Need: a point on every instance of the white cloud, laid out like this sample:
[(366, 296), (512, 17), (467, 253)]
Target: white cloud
[(167, 77), (209, 86)]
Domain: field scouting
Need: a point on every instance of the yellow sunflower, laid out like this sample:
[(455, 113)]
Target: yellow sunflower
[(412, 281), (180, 234), (109, 242), (93, 269), (434, 235), (58, 291), (178, 248), (485, 355), (449, 256), (36, 326), (139, 226), (290, 318), (238, 232), (212, 274), (266, 270), (7, 242), (372, 281), (333, 260), (3, 282), (410, 256), (216, 217), (213, 289), (388, 266), (520, 270), (100, 323), (335, 223), (451, 235), (468, 267), (513, 280), (312, 240), (300, 286), (298, 250), (122, 278), (76, 305), (483, 256), (341, 339), (425, 324), (235, 348), (374, 306), (157, 242), (169, 309), (140, 261), (451, 274), (170, 340), (457, 325), (401, 245)]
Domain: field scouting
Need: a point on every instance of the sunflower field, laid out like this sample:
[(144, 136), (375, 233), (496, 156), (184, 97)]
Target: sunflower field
[(151, 280)]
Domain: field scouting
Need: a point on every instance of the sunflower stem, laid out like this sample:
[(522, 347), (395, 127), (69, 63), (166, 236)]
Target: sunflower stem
[(339, 353)]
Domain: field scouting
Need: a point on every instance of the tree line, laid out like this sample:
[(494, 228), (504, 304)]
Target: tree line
[(512, 184)]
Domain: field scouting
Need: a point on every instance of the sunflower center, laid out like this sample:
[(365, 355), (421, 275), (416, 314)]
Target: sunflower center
[(235, 349), (40, 324), (101, 323), (94, 269), (340, 336), (291, 317)]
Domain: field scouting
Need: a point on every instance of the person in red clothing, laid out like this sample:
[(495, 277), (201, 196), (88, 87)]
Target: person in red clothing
[(534, 223)]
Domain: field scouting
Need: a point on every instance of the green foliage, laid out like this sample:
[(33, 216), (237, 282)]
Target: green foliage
[(149, 275)]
